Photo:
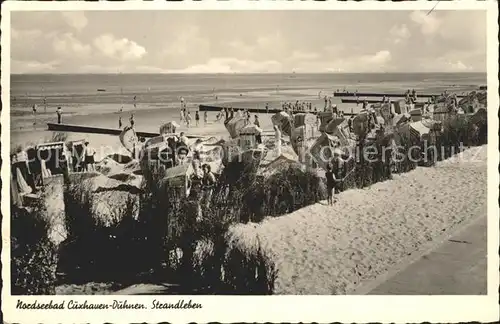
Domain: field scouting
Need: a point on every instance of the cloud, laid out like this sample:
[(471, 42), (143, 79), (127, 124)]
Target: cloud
[(303, 56), (399, 33), (122, 49), (75, 19), (20, 66), (186, 41), (376, 62), (67, 45), (232, 65), (429, 23), (24, 34)]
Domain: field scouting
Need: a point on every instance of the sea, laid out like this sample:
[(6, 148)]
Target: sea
[(95, 99)]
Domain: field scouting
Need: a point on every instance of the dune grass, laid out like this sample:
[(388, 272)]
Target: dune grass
[(166, 242), (33, 256)]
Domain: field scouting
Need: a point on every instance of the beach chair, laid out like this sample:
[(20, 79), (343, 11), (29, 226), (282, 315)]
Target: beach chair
[(234, 125), (77, 154), (169, 128), (54, 159), (322, 149), (129, 139), (284, 121), (248, 137)]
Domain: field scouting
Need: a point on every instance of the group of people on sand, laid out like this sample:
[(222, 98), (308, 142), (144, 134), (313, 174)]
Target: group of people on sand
[(83, 160), (298, 106), (186, 118), (410, 96), (202, 180), (131, 120)]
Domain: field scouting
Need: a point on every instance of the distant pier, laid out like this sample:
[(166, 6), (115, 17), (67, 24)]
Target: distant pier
[(99, 130), (387, 95)]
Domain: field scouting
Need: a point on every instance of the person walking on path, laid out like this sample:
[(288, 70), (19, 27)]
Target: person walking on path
[(331, 184)]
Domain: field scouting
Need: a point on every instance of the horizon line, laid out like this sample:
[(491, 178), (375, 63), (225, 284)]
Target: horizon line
[(244, 73)]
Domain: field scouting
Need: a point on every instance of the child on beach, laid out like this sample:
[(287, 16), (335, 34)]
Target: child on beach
[(331, 184), (188, 119), (197, 118), (59, 115)]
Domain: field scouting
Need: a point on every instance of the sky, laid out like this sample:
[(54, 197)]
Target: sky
[(247, 41)]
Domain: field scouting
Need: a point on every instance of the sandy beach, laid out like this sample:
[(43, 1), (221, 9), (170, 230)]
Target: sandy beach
[(318, 249), (158, 97), (335, 250)]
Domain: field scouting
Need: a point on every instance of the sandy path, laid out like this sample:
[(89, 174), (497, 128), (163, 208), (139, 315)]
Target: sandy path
[(332, 250), (457, 267)]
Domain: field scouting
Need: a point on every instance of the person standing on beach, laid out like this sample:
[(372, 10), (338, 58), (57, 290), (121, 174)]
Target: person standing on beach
[(188, 119), (34, 114), (205, 117), (89, 157), (182, 115), (197, 148), (132, 122), (208, 184), (197, 118), (267, 108), (120, 122), (256, 121), (59, 115)]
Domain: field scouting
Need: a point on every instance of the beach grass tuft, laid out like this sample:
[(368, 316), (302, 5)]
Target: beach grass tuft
[(34, 256)]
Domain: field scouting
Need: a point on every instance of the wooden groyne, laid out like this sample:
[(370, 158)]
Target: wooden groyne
[(92, 130), (387, 95), (371, 101), (252, 110), (261, 111), (99, 130)]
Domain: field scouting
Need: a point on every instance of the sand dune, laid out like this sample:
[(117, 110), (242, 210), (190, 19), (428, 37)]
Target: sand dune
[(324, 249)]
